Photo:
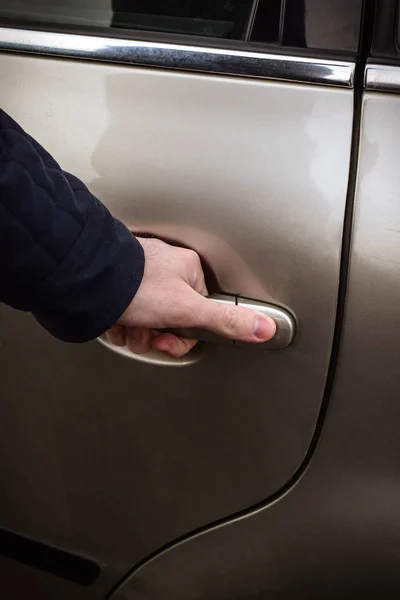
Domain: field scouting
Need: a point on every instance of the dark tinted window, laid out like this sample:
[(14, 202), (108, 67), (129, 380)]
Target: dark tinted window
[(220, 18), (386, 33), (213, 18), (398, 33), (325, 24), (316, 24)]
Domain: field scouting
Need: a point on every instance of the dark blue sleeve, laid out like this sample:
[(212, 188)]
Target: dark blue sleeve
[(63, 257)]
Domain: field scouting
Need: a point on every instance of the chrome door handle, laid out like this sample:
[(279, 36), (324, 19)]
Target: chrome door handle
[(285, 332), (285, 325)]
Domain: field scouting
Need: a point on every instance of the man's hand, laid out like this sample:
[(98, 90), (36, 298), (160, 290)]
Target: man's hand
[(172, 295)]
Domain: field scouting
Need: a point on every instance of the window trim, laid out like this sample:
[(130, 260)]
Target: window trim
[(202, 59), (382, 78)]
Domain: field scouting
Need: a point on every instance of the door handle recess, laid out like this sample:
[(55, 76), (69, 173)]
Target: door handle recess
[(285, 325)]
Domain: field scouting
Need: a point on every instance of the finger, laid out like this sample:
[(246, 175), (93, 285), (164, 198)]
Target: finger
[(199, 284), (138, 340), (195, 272), (116, 335), (234, 322), (173, 345)]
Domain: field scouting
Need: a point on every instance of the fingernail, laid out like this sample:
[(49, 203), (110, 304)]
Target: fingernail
[(264, 328)]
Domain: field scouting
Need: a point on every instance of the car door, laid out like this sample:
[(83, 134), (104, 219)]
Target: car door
[(233, 137), (336, 532)]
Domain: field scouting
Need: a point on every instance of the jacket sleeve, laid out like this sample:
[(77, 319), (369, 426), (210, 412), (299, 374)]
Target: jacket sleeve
[(63, 257)]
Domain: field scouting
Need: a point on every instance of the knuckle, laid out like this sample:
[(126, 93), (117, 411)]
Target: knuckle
[(230, 318), (181, 349), (193, 259)]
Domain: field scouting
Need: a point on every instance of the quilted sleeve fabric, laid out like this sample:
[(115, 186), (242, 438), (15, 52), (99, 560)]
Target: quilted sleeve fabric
[(63, 256)]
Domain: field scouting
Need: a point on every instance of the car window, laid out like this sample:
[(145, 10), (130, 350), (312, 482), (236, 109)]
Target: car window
[(331, 25), (220, 18), (398, 30), (217, 18)]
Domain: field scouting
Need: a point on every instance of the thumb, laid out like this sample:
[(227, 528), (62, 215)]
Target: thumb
[(235, 322)]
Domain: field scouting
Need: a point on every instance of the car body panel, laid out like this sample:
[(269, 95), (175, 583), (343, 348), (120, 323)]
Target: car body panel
[(118, 458), (336, 533)]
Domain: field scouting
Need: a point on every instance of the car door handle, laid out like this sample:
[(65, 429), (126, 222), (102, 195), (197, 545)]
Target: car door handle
[(285, 325), (284, 336)]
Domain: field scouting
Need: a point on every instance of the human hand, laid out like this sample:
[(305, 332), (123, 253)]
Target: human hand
[(172, 295)]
